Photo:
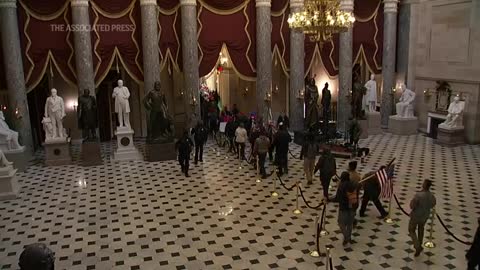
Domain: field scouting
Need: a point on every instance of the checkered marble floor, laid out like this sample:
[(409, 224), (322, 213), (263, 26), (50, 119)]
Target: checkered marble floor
[(141, 215)]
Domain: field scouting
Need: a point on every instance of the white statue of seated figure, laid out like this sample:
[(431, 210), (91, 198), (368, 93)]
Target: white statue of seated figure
[(3, 160), (8, 137), (405, 104), (455, 115)]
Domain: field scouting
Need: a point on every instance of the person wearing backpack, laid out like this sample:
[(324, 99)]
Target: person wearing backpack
[(200, 136), (184, 147), (347, 198)]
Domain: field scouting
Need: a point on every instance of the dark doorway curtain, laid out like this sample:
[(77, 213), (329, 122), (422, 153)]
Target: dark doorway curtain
[(36, 107)]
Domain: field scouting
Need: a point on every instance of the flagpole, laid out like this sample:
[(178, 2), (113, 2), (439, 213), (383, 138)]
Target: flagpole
[(388, 219)]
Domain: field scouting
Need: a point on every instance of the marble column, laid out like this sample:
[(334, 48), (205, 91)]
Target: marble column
[(151, 56), (190, 61), (388, 62), (264, 53), (345, 71), (297, 72), (83, 47), (12, 57)]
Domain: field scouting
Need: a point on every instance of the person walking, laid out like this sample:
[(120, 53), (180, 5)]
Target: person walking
[(347, 199), (282, 141), (328, 168), (309, 153), (184, 147), (230, 132), (241, 138), (421, 205), (371, 192), (200, 136), (474, 251), (261, 146)]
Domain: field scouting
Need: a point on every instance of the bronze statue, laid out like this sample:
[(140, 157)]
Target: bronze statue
[(87, 116), (326, 101), (358, 91), (311, 103), (160, 125)]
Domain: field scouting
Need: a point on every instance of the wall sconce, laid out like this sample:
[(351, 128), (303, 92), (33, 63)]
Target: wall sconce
[(193, 101), (268, 96), (427, 93), (223, 59), (245, 91), (394, 90), (3, 107), (300, 94), (72, 104), (275, 90)]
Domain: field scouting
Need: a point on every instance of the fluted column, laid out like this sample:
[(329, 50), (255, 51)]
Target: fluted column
[(297, 71), (83, 46), (345, 71), (190, 60), (388, 62), (264, 53), (151, 57), (12, 55)]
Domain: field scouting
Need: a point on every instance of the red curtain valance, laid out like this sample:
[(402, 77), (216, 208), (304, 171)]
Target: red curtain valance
[(236, 31), (45, 8), (117, 41), (47, 43), (222, 5), (113, 7), (168, 4), (169, 39)]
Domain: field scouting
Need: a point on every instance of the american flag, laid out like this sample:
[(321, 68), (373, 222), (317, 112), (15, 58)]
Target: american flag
[(385, 178)]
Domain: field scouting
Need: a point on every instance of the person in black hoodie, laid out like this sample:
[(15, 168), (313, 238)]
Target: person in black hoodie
[(230, 132), (347, 199), (328, 168), (474, 251), (371, 192), (281, 142), (200, 136), (184, 147)]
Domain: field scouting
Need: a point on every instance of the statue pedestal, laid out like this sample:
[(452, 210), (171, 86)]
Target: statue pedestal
[(57, 152), (18, 157), (403, 125), (8, 183), (364, 126), (125, 148), (373, 123), (160, 151), (91, 154), (450, 136)]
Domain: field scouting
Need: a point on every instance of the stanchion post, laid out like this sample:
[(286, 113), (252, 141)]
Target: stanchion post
[(323, 230), (429, 243), (389, 219), (258, 171), (327, 262), (297, 210), (274, 192), (316, 252)]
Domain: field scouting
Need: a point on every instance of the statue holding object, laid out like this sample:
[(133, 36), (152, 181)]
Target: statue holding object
[(160, 125), (311, 103)]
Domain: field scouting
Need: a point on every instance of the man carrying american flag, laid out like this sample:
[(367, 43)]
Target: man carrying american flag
[(385, 179)]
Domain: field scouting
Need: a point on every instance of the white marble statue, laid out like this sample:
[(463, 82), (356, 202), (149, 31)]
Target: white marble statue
[(405, 104), (55, 111), (122, 107), (371, 95), (8, 137), (455, 115), (3, 160)]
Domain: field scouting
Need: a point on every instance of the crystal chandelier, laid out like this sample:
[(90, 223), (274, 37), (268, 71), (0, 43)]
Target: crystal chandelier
[(320, 19)]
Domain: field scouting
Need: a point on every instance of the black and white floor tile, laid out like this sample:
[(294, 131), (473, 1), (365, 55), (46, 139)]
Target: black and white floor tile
[(141, 215)]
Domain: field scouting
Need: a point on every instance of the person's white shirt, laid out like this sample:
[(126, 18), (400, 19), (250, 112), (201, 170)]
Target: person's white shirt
[(241, 135)]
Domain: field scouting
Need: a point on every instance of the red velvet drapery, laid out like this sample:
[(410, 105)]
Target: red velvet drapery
[(170, 29), (367, 40), (234, 28), (117, 38), (46, 40), (281, 32), (3, 82)]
